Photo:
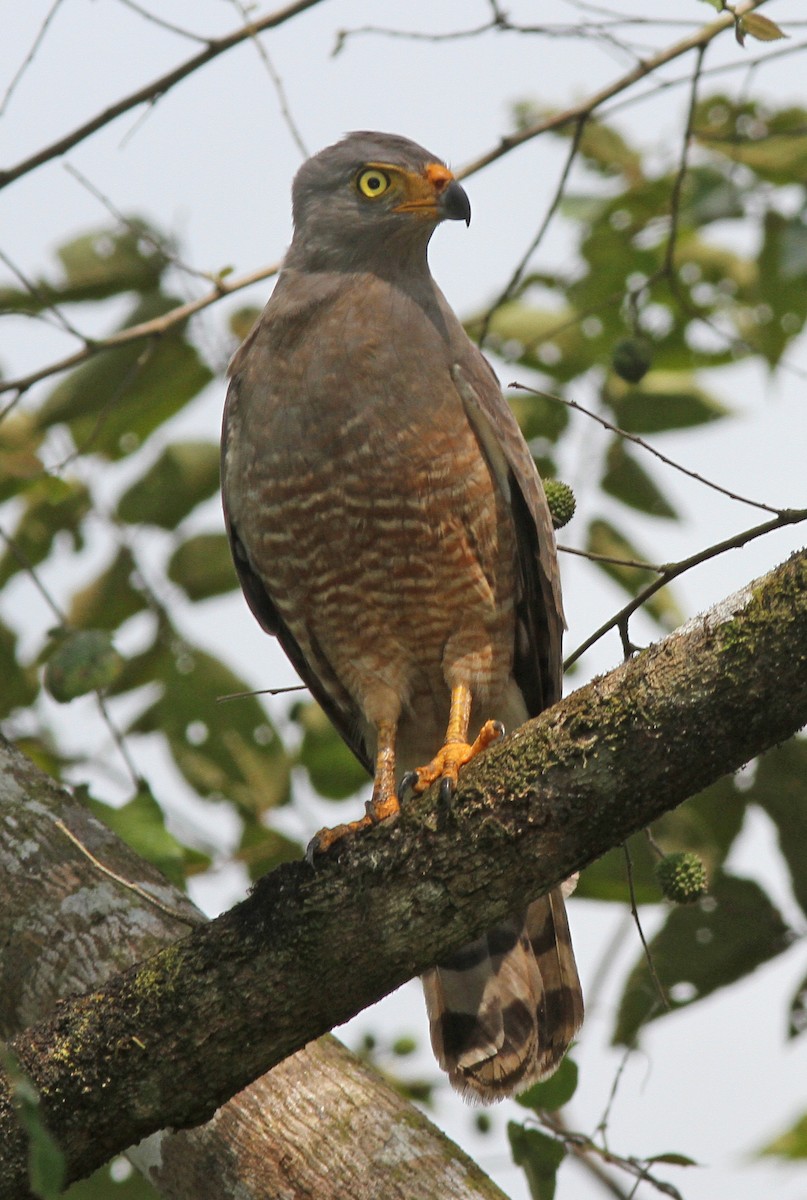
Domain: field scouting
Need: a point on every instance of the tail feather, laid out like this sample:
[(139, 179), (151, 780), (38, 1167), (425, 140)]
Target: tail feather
[(503, 1009)]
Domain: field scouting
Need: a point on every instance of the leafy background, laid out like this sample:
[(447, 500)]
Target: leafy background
[(117, 606)]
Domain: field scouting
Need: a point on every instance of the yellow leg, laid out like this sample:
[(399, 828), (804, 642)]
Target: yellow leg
[(385, 798), (456, 751)]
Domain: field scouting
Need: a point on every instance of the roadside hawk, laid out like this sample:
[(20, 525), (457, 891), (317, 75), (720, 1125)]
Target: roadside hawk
[(389, 527)]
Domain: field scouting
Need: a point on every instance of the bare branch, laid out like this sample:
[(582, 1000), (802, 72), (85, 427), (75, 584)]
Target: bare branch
[(29, 58), (277, 83), (785, 517), (133, 333), (518, 274), (154, 90), (638, 441), (586, 107)]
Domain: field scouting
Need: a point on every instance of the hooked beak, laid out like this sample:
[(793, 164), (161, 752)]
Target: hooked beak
[(436, 194), (454, 204)]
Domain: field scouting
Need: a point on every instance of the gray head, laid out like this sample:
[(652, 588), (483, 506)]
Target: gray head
[(369, 197)]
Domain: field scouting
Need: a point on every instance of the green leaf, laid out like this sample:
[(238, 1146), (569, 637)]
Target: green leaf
[(663, 400), (605, 539), (262, 849), (780, 789), (551, 1094), (782, 293), (538, 1156), (51, 506), (115, 400), (710, 194), (46, 1162), (98, 264), (546, 340), (605, 150), (762, 28), (110, 599), (240, 321), (626, 479), (706, 824), (141, 824), (223, 749), (334, 772), (539, 416), (203, 566), (792, 1144), (607, 878), (772, 143), (82, 661), (702, 948), (20, 465), (20, 685), (673, 1158), (185, 474)]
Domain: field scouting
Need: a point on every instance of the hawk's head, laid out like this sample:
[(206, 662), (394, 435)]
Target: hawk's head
[(371, 195)]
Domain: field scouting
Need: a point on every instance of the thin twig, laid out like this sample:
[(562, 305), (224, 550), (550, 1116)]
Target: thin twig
[(162, 23), (586, 107), (30, 570), (133, 333), (35, 289), (683, 165), (281, 691), (277, 82), (154, 90), (518, 273), (29, 58), (145, 235), (785, 517), (59, 614), (638, 563), (637, 441), (634, 908)]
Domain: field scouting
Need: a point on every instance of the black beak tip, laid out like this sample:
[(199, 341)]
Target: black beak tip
[(455, 203)]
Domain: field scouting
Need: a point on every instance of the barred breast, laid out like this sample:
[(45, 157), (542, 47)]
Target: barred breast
[(380, 491)]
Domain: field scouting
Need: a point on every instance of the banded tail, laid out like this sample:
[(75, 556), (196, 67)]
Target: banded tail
[(504, 1009)]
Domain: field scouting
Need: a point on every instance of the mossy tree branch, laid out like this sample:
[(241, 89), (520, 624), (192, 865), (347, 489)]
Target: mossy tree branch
[(75, 909), (167, 1042)]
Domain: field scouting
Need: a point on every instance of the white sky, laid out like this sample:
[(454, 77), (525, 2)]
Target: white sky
[(211, 162)]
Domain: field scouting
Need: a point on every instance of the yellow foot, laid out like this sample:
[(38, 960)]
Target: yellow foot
[(449, 760), (377, 810)]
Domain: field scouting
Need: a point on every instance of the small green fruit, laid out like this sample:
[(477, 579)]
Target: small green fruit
[(84, 661), (561, 501), (631, 359), (682, 877)]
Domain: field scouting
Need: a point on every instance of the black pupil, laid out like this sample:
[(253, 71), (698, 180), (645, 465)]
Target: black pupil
[(374, 182)]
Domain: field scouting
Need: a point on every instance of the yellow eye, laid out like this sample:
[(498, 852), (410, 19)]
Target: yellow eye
[(372, 182)]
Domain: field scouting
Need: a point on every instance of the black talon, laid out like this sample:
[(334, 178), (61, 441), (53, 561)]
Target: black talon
[(446, 790), (408, 781), (500, 729)]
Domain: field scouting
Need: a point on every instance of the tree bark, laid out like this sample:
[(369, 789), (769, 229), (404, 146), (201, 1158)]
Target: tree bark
[(168, 1041), (321, 1124)]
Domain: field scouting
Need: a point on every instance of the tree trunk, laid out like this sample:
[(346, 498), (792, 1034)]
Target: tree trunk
[(170, 1040), (320, 1124)]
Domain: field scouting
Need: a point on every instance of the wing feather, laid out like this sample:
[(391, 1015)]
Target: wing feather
[(538, 663)]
